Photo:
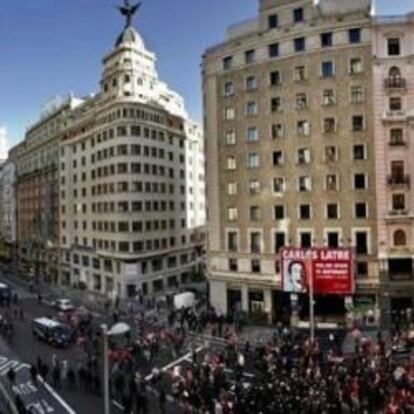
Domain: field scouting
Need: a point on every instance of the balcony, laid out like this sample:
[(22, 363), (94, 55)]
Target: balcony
[(398, 180), (397, 142), (396, 83), (398, 213)]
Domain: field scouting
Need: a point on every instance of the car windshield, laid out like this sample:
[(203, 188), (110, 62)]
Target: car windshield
[(61, 331)]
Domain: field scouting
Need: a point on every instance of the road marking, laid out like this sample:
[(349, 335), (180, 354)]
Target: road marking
[(62, 402)]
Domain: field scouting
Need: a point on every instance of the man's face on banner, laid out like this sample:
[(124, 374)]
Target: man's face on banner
[(297, 277)]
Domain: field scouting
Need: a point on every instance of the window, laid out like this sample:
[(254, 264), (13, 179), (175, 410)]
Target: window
[(253, 160), (398, 202), (255, 242), (329, 125), (360, 181), (277, 131), (399, 238), (299, 44), (305, 183), (331, 153), (299, 73), (230, 137), (277, 158), (254, 187), (229, 114), (354, 35), (303, 128), (279, 240), (361, 242), (332, 211), (274, 78), (232, 188), (305, 212), (332, 239), (231, 163), (331, 182), (275, 104), (357, 94), (394, 47), (255, 265), (397, 173), (254, 213), (252, 108), (232, 214), (326, 39), (327, 69), (278, 185), (304, 156), (232, 241), (249, 56), (362, 269), (360, 210), (328, 97), (233, 266), (228, 88), (252, 134), (301, 101), (396, 136), (305, 239), (357, 123), (273, 50), (355, 66), (251, 83), (298, 15), (272, 21), (358, 152), (227, 62), (395, 103), (279, 212)]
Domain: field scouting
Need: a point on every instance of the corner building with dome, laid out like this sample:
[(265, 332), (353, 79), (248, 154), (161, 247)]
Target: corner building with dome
[(131, 181)]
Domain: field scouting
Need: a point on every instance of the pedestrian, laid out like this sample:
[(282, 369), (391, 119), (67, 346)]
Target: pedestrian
[(33, 375), (11, 375), (21, 408), (56, 376), (15, 298), (162, 400)]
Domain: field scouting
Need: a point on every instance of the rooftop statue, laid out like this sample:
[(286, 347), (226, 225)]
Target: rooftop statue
[(128, 10)]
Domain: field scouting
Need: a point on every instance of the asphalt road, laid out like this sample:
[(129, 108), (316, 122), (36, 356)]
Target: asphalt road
[(23, 350)]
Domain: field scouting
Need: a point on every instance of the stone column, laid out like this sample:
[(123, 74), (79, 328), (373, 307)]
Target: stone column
[(245, 298)]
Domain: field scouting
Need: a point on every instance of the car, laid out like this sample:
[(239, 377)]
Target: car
[(63, 305), (5, 291), (52, 332)]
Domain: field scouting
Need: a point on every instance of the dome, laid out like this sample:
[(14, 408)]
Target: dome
[(128, 36)]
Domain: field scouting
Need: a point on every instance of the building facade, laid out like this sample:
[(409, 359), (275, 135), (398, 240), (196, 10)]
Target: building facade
[(393, 77), (131, 182), (37, 192), (8, 217), (290, 151)]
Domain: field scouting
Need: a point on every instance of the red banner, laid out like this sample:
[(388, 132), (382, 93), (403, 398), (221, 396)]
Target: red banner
[(330, 269)]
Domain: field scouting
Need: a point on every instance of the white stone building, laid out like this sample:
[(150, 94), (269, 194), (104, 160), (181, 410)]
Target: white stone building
[(8, 224), (132, 204)]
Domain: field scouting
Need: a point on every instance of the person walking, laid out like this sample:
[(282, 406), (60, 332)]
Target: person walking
[(33, 375), (11, 375)]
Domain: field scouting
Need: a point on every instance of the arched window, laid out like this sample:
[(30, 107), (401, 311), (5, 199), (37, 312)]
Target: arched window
[(395, 72), (400, 238)]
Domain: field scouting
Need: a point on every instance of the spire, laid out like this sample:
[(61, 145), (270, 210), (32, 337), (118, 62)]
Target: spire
[(128, 10)]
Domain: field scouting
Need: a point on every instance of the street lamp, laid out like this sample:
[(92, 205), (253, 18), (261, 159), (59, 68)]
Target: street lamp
[(117, 329)]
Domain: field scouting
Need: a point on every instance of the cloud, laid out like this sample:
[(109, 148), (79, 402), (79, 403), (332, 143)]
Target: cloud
[(4, 143)]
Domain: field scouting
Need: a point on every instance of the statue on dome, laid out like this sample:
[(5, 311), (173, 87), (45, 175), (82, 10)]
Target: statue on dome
[(128, 10)]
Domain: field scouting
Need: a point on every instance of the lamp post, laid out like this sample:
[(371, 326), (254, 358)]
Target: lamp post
[(117, 329)]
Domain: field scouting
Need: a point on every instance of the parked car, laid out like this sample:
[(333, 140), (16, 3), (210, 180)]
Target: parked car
[(52, 332), (5, 291), (63, 305)]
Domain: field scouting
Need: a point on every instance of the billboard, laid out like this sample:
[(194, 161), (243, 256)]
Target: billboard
[(331, 270)]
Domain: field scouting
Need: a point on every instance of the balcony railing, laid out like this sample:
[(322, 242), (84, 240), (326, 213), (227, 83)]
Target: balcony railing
[(394, 83), (398, 212), (397, 142), (395, 180)]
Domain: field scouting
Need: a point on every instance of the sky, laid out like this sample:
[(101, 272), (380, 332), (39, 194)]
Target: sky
[(51, 47)]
